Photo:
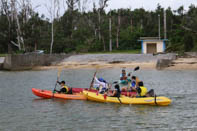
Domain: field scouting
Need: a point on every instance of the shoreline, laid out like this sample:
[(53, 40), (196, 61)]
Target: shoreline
[(101, 61), (103, 65), (97, 65)]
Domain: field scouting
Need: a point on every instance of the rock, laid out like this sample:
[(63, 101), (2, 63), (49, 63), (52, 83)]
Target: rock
[(163, 63), (1, 66), (191, 54)]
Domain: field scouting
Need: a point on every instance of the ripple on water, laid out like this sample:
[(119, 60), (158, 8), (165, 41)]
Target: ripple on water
[(23, 111)]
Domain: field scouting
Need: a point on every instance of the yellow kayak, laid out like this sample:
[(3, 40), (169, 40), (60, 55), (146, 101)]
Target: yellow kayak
[(160, 100)]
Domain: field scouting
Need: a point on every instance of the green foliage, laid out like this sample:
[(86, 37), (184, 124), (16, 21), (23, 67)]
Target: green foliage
[(79, 31)]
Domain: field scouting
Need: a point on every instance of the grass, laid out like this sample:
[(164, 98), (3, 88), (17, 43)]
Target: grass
[(116, 52), (3, 55)]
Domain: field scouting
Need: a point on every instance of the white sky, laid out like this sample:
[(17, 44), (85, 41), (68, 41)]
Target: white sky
[(115, 4)]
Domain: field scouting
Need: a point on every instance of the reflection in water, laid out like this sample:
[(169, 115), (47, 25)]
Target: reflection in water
[(24, 111)]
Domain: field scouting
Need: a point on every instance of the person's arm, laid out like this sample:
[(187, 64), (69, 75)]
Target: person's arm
[(114, 92), (100, 83), (96, 79)]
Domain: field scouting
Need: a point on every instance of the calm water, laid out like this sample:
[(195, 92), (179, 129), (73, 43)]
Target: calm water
[(20, 110)]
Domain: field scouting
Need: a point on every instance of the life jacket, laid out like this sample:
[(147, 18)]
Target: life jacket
[(123, 82), (143, 91), (67, 89)]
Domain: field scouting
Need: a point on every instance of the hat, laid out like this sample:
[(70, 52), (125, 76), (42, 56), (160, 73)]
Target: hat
[(102, 80)]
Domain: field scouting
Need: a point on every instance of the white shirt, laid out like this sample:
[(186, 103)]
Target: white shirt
[(98, 83)]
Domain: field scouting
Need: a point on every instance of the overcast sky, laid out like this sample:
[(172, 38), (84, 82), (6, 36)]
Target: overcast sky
[(115, 4)]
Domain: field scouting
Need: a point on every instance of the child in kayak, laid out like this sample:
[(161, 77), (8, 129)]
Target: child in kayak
[(142, 91), (64, 89), (132, 83)]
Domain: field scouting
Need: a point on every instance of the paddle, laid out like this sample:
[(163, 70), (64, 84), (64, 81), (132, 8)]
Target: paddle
[(135, 69), (92, 82), (58, 76), (119, 100)]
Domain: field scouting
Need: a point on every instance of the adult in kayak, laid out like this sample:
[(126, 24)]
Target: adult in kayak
[(123, 75), (123, 82), (64, 89)]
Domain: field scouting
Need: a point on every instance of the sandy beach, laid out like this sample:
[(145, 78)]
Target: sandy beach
[(147, 61), (184, 64)]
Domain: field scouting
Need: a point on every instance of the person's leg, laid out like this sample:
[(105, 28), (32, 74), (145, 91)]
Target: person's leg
[(70, 91), (63, 90)]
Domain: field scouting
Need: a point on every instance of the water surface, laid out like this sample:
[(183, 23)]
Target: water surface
[(22, 111)]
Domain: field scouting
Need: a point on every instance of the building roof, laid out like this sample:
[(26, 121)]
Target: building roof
[(155, 39)]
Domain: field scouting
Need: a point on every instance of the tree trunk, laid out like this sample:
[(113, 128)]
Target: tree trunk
[(131, 22), (52, 38), (9, 38), (141, 22), (159, 27), (118, 31), (35, 46), (110, 36), (99, 25), (104, 47), (165, 29)]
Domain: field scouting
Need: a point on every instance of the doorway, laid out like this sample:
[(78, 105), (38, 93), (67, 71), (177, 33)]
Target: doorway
[(151, 48)]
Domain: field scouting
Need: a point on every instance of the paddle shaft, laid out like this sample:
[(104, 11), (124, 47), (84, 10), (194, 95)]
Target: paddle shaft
[(58, 75), (119, 100), (92, 82)]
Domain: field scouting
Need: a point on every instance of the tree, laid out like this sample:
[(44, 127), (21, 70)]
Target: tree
[(53, 10)]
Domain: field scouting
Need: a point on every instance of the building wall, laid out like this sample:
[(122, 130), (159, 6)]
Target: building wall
[(160, 46)]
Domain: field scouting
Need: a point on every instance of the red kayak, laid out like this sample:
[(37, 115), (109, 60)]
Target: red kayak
[(79, 90)]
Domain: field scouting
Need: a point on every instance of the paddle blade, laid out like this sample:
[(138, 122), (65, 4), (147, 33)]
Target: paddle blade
[(59, 72), (115, 82), (136, 68)]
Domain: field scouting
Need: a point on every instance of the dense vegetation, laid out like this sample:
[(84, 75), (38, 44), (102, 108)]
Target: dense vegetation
[(78, 31)]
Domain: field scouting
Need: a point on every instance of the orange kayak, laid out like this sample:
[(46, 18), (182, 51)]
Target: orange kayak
[(48, 94)]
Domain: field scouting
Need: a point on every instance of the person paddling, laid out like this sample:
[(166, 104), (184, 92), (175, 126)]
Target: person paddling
[(123, 80), (101, 85), (64, 89), (116, 92)]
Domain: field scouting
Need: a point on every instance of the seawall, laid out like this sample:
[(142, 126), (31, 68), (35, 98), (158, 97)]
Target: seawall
[(28, 61)]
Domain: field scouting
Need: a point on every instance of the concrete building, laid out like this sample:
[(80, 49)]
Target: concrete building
[(152, 45)]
